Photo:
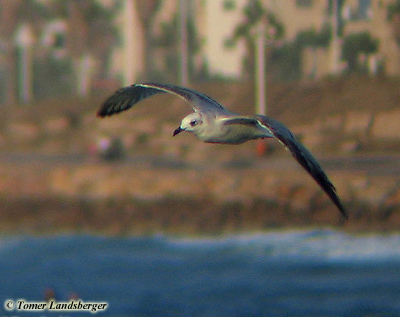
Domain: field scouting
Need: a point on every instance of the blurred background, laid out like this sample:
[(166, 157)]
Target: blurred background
[(158, 206), (327, 69)]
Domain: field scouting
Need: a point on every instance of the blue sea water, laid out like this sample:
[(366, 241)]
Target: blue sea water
[(280, 273)]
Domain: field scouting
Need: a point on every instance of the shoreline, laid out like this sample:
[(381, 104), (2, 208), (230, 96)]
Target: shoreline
[(51, 177), (121, 199)]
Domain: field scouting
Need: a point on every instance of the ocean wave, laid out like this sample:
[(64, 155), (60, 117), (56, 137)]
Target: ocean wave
[(312, 244), (283, 272), (320, 243)]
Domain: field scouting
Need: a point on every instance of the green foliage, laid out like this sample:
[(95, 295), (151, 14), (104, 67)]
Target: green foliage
[(91, 29), (254, 13), (314, 39), (356, 44), (91, 10), (393, 15), (393, 9), (285, 62)]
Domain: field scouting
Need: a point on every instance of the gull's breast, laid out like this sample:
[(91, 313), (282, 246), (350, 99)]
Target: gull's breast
[(231, 134)]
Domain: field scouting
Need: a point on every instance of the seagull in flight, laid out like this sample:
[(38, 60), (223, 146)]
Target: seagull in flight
[(213, 123)]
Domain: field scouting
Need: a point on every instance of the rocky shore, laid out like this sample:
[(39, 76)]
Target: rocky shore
[(126, 198)]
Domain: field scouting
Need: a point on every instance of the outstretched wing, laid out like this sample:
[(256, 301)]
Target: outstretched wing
[(303, 156), (127, 97)]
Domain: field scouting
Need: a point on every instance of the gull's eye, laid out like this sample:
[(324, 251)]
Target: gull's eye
[(193, 123)]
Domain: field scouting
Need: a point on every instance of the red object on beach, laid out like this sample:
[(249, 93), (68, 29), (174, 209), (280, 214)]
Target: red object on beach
[(261, 147)]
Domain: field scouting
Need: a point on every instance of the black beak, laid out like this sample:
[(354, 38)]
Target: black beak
[(177, 131)]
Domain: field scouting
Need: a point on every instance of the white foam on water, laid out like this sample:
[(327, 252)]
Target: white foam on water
[(334, 245), (313, 243)]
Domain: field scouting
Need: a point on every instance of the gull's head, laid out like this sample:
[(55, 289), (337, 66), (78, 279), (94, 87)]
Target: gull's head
[(190, 123)]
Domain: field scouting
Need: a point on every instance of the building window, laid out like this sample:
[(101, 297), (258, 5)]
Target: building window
[(364, 9), (229, 5), (304, 3), (229, 43), (362, 12)]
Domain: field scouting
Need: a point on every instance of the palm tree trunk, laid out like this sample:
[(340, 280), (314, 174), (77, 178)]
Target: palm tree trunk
[(11, 75)]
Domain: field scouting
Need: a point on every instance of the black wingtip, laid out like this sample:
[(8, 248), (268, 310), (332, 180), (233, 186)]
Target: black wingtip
[(125, 98), (99, 114), (102, 112), (114, 104), (342, 210), (326, 185), (330, 190), (305, 159), (322, 179)]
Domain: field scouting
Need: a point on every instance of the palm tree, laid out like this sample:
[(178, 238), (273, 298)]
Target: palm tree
[(255, 13), (356, 44), (168, 43)]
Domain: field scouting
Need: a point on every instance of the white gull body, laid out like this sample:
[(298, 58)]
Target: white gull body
[(211, 122)]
